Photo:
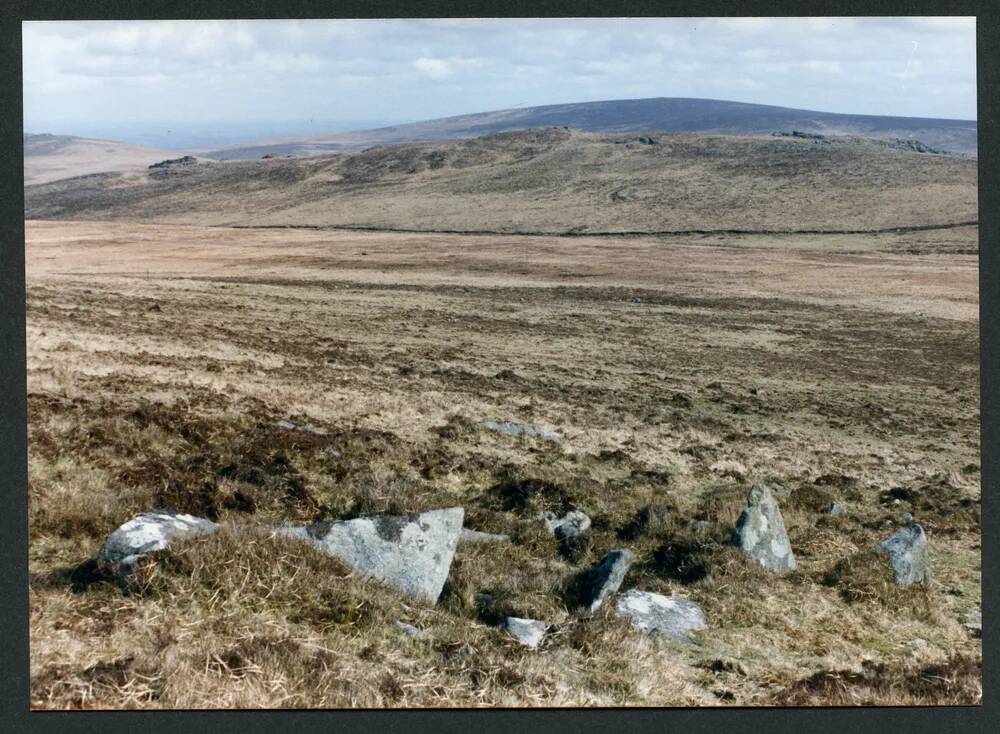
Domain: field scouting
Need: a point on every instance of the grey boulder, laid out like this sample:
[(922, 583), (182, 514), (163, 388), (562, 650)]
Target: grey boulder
[(760, 531), (907, 550), (657, 614), (145, 533), (604, 579), (411, 553), (528, 632)]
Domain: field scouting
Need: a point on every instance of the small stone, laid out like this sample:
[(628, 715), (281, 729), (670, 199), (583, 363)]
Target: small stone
[(567, 527), (528, 632), (836, 509), (332, 453), (760, 531), (521, 429), (475, 536), (907, 550), (573, 524), (289, 426), (605, 578), (657, 614), (974, 622), (906, 517), (410, 631)]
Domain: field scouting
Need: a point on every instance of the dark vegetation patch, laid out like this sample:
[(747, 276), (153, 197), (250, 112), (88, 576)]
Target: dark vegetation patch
[(811, 498), (686, 560), (515, 494), (653, 520), (954, 682), (940, 506)]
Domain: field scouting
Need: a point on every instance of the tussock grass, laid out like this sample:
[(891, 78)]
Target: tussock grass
[(867, 577)]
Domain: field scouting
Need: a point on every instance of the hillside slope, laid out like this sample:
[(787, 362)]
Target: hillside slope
[(551, 180), (51, 157), (666, 114)]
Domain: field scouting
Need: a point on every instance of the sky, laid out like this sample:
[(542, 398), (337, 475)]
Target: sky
[(184, 83)]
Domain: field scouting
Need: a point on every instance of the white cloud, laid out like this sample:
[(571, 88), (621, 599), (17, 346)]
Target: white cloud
[(434, 68)]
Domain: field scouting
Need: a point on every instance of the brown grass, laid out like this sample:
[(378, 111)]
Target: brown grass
[(792, 366)]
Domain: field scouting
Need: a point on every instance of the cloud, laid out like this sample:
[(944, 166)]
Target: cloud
[(434, 68)]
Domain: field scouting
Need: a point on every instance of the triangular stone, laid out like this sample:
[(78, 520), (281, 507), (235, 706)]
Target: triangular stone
[(410, 553), (760, 531)]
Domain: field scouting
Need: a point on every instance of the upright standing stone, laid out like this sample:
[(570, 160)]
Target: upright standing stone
[(760, 531), (907, 550), (410, 553), (604, 580)]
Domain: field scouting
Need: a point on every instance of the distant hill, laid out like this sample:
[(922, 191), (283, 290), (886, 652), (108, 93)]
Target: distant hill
[(549, 180), (662, 114), (51, 157)]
